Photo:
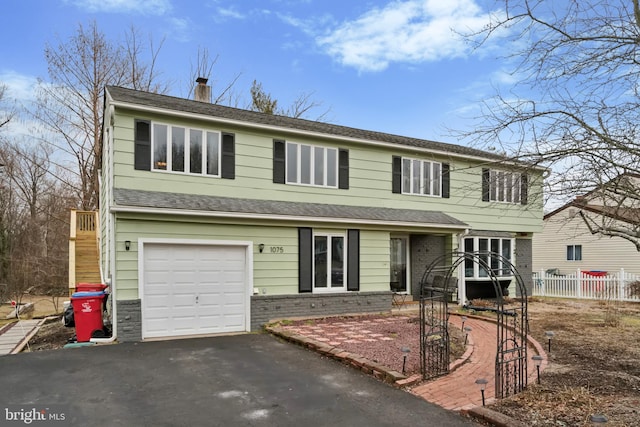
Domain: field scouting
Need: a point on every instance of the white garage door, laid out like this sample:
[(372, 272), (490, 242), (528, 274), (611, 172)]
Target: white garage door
[(193, 290)]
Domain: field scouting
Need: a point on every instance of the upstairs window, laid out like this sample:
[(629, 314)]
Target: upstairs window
[(574, 252), (421, 177), (504, 186), (311, 165), (163, 147), (186, 150), (303, 164)]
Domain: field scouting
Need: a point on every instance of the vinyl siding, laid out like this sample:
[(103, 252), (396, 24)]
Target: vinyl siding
[(274, 273), (598, 252), (370, 178)]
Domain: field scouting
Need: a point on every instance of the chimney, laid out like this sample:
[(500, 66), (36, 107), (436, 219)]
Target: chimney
[(202, 91)]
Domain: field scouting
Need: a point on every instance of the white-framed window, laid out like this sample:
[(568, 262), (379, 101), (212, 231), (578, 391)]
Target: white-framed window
[(504, 186), (329, 263), (311, 165), (574, 252), (185, 150), (421, 177), (494, 251)]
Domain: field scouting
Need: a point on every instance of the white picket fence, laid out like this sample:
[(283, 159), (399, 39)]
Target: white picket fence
[(586, 285)]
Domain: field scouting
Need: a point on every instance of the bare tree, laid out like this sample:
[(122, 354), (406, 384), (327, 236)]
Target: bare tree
[(203, 67), (33, 222), (5, 116), (300, 108), (71, 102), (575, 106)]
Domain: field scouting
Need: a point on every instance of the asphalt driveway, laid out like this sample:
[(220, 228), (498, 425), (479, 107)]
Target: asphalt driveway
[(243, 380)]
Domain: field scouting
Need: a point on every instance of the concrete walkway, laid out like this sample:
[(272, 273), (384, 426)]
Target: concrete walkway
[(14, 337)]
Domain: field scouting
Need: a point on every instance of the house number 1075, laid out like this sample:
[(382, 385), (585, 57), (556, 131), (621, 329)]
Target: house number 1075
[(276, 249)]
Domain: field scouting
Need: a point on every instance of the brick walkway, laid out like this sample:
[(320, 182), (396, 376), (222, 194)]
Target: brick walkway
[(455, 391)]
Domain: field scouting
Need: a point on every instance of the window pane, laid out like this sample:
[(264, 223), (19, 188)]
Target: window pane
[(305, 164), (569, 253), (483, 248), (292, 163), (213, 152), (195, 151), (160, 147), (506, 249), (318, 166), (493, 185), (468, 263), (426, 178), (516, 188), (320, 261), (177, 149), (415, 177), (495, 261), (332, 167), (406, 176), (509, 177), (436, 179), (578, 252), (337, 262), (500, 186)]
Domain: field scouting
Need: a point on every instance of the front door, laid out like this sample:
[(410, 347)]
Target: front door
[(399, 271)]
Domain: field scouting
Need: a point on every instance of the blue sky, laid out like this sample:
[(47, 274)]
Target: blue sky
[(391, 66)]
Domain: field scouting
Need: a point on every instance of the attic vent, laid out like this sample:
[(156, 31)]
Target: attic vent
[(202, 91)]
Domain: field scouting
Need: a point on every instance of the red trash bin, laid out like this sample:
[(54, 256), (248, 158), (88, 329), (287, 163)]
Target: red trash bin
[(90, 287), (87, 313)]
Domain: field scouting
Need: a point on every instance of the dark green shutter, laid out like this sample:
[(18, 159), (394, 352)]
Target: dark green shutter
[(396, 184), (353, 260), (445, 181), (142, 145), (486, 184), (524, 189), (228, 156), (279, 161), (343, 169), (305, 259)]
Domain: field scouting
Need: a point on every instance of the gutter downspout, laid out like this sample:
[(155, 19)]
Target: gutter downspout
[(112, 288)]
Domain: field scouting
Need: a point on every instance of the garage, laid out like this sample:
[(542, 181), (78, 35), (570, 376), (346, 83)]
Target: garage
[(193, 289)]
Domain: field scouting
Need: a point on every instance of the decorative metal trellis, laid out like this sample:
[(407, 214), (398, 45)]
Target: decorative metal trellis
[(437, 287)]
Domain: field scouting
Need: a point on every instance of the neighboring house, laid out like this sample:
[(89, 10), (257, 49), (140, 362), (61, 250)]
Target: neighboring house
[(573, 238), (215, 219)]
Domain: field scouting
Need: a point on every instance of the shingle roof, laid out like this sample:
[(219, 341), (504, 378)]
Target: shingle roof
[(148, 99), (281, 210)]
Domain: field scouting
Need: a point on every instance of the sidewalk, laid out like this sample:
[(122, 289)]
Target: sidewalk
[(14, 337)]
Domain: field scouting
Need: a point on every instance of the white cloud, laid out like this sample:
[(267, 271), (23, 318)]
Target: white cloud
[(144, 7), (21, 88), (229, 13), (410, 31)]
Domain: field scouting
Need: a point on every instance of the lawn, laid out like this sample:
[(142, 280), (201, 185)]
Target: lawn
[(594, 365)]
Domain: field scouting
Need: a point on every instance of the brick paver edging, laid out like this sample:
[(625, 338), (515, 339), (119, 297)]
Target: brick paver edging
[(355, 360)]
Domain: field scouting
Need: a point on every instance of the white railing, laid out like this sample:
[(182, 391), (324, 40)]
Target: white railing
[(586, 285)]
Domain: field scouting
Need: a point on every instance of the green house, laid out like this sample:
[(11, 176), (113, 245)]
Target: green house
[(218, 220)]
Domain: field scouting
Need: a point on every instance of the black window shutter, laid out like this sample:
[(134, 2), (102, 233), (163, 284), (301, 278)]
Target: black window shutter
[(142, 145), (228, 156), (353, 260), (396, 185), (445, 181), (279, 161), (486, 184), (524, 189), (343, 169), (305, 259)]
